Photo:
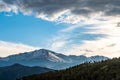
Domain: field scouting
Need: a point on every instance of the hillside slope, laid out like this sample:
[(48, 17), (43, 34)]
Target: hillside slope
[(17, 70), (105, 70)]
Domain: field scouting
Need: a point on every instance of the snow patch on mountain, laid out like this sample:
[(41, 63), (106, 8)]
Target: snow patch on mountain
[(54, 58)]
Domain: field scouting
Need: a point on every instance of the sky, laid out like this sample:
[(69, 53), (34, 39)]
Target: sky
[(71, 27)]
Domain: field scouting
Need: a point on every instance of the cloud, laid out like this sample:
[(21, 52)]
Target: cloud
[(8, 8), (9, 48), (71, 35), (94, 22), (98, 47), (105, 43), (56, 45), (89, 39), (68, 11), (58, 42)]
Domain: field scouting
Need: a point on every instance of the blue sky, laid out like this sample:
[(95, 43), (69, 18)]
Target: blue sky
[(75, 28), (27, 29)]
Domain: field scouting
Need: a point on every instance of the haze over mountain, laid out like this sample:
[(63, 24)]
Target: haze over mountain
[(47, 58), (17, 71)]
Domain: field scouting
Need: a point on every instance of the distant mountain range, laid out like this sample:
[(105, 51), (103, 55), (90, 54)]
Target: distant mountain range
[(17, 71), (47, 58)]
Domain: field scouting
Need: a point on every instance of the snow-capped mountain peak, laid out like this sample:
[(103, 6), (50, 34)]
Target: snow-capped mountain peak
[(47, 58)]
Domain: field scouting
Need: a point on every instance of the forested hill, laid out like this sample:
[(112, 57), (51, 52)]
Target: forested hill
[(105, 70), (17, 71)]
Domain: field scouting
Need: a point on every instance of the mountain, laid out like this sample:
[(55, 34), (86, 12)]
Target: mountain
[(17, 71), (47, 58), (104, 70)]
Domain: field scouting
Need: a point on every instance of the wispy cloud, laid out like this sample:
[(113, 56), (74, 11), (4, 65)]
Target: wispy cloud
[(97, 47), (9, 48), (90, 39)]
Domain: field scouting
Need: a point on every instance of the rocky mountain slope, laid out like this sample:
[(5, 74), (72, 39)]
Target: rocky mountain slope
[(47, 58)]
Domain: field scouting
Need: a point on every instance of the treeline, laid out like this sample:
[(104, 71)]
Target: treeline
[(104, 70)]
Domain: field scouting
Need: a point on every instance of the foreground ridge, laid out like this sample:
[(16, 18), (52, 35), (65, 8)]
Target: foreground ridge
[(104, 70), (17, 71)]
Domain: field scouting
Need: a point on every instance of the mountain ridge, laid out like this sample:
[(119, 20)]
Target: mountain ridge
[(48, 58), (17, 71)]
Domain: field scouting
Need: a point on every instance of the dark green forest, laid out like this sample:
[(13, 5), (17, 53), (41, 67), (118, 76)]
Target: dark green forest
[(104, 70)]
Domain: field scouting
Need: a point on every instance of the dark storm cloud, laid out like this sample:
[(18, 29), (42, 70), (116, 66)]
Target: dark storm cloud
[(107, 7), (79, 7)]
